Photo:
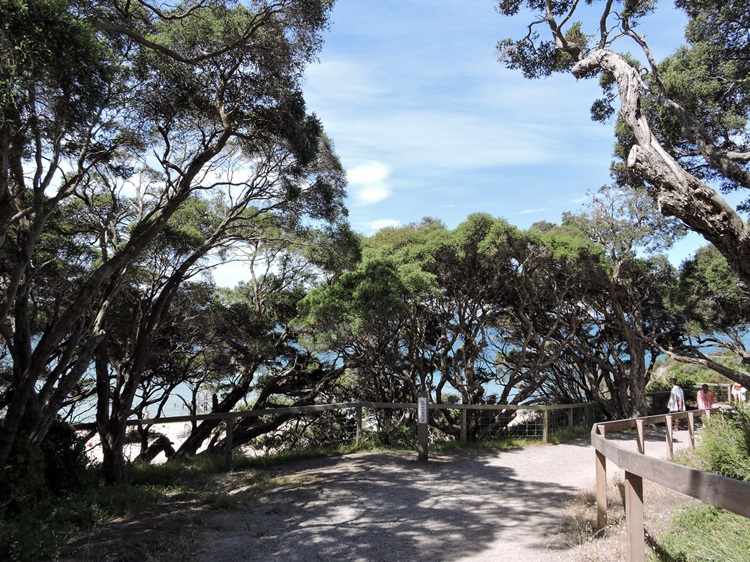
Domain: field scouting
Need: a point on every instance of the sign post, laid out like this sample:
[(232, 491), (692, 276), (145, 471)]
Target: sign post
[(422, 427)]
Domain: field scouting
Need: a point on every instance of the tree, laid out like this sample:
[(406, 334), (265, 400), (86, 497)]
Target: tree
[(714, 303), (149, 107), (434, 310), (627, 301), (684, 120), (254, 338)]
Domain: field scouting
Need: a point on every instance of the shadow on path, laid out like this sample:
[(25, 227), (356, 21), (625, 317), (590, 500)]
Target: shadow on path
[(387, 506)]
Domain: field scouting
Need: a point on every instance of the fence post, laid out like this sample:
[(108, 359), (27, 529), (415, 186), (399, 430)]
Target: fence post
[(228, 442), (358, 438), (634, 516), (464, 424), (601, 487), (691, 428), (570, 419), (670, 446), (422, 428), (640, 436), (545, 429)]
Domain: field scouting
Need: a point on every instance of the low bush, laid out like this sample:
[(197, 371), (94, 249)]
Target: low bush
[(707, 533), (725, 447)]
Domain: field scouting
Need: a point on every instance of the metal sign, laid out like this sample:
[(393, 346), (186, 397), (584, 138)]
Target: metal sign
[(422, 409)]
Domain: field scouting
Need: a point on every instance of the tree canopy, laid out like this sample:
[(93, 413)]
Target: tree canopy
[(143, 136)]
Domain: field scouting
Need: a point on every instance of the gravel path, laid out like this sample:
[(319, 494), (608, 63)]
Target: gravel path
[(371, 507)]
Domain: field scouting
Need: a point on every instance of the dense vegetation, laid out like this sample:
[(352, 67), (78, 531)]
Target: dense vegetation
[(142, 143)]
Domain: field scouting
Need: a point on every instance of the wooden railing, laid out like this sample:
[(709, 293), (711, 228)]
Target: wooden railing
[(358, 407), (726, 493)]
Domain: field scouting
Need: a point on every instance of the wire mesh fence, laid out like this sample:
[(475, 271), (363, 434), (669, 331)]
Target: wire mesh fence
[(658, 400), (380, 424), (395, 425)]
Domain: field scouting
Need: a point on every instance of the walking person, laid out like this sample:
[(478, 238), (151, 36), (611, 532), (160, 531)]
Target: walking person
[(676, 401), (706, 398), (739, 393)]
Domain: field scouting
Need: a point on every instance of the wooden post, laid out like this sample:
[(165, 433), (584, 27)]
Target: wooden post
[(545, 429), (640, 436), (634, 516), (228, 442), (670, 446), (464, 420), (358, 438), (601, 490), (691, 429), (422, 427), (570, 419)]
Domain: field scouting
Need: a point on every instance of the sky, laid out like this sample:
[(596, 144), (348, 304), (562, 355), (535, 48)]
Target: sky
[(428, 123)]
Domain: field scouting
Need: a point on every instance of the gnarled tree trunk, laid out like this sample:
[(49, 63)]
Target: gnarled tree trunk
[(679, 193)]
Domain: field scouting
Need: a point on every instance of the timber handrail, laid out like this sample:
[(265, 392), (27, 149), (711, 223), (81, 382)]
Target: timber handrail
[(723, 492)]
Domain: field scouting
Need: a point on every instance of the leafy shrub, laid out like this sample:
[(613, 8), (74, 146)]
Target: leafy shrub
[(684, 381), (33, 486), (726, 444), (65, 464), (34, 473)]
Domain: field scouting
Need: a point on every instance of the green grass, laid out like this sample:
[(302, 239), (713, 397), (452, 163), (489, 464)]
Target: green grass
[(704, 534), (511, 442), (43, 527)]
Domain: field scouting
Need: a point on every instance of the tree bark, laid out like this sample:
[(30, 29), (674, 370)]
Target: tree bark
[(679, 193)]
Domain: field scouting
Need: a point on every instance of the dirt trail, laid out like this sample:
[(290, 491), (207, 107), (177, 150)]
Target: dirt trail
[(466, 506)]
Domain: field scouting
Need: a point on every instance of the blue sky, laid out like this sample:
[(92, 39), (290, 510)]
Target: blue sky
[(428, 123)]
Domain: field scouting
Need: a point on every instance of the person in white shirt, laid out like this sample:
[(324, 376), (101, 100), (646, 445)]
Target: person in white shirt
[(676, 401), (739, 393)]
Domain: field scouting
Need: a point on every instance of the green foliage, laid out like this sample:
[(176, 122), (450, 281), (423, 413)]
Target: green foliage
[(725, 445), (52, 59), (686, 378), (710, 294), (34, 474), (41, 529), (690, 375)]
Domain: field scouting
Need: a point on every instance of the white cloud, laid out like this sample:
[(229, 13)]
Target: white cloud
[(372, 194), (369, 173), (368, 182)]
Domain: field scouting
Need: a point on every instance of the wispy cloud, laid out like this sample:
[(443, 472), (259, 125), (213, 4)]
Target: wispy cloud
[(532, 211), (384, 223)]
